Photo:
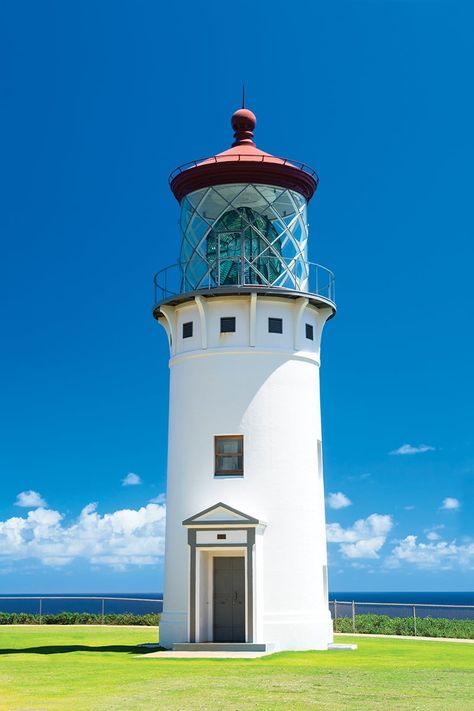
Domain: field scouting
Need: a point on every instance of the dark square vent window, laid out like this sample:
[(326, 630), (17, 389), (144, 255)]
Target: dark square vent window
[(228, 324), (275, 325), (187, 329), (229, 455), (309, 332), (221, 536)]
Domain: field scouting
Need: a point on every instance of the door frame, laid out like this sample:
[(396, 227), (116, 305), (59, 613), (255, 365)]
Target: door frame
[(246, 549)]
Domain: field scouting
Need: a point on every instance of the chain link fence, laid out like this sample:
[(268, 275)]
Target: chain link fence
[(410, 613), (347, 615), (83, 604)]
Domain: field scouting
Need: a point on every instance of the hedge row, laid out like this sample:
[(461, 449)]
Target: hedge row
[(364, 624), (425, 626), (78, 618)]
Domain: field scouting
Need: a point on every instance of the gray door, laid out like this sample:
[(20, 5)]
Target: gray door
[(229, 599)]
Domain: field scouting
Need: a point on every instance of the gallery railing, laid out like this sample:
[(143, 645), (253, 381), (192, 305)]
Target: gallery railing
[(233, 157), (266, 272)]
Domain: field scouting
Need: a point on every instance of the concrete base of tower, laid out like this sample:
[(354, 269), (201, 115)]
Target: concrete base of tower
[(173, 628), (298, 632), (279, 632)]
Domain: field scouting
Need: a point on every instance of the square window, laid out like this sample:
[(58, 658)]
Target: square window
[(309, 332), (229, 455), (221, 536), (187, 329), (275, 325), (228, 324)]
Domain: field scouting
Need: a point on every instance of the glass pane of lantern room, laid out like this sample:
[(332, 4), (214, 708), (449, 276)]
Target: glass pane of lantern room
[(244, 234)]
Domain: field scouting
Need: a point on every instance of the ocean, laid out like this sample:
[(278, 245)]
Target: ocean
[(152, 602), (141, 604)]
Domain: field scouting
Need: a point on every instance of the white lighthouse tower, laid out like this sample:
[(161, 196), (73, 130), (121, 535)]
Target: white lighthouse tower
[(244, 310)]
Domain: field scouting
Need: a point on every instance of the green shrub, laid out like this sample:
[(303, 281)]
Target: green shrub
[(79, 618), (425, 627)]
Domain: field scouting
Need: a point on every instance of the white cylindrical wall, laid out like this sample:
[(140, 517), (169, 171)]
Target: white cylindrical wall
[(269, 393)]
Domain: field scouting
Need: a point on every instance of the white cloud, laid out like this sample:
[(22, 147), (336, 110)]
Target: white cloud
[(359, 477), (338, 500), (118, 539), (391, 563), (431, 532), (30, 499), (131, 480), (160, 499), (410, 449), (450, 504), (438, 555), (362, 540), (410, 507)]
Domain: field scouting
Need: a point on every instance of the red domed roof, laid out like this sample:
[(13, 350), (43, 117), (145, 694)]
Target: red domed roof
[(243, 163)]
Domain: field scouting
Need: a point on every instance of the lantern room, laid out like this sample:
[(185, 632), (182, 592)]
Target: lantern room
[(243, 223)]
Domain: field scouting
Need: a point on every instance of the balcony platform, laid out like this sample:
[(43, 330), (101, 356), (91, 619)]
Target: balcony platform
[(174, 285), (238, 290)]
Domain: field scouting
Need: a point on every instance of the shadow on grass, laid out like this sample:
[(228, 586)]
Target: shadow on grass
[(66, 649)]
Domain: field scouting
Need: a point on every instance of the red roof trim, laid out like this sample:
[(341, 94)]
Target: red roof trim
[(282, 174)]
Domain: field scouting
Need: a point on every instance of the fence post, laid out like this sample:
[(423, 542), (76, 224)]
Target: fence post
[(353, 616), (414, 619), (103, 611), (41, 610)]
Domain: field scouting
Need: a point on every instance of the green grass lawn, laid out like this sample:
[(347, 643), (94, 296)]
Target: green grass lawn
[(85, 669)]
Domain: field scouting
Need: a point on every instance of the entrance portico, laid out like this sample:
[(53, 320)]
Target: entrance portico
[(222, 575)]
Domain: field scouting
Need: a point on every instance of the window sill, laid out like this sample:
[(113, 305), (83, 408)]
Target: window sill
[(228, 475)]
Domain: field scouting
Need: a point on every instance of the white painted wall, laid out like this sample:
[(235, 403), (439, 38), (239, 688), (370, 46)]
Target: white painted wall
[(268, 392)]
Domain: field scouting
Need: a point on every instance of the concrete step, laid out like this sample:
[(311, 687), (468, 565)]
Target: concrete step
[(219, 647)]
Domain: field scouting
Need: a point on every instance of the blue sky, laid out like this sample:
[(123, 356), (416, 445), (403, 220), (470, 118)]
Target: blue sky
[(101, 101)]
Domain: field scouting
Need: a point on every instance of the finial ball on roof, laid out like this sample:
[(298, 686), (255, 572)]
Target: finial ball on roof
[(243, 120)]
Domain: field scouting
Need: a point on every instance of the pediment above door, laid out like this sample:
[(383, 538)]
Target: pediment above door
[(221, 514)]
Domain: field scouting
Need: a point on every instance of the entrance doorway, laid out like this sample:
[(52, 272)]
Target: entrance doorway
[(229, 599)]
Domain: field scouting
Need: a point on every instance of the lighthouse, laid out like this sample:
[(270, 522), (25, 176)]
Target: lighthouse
[(244, 309)]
